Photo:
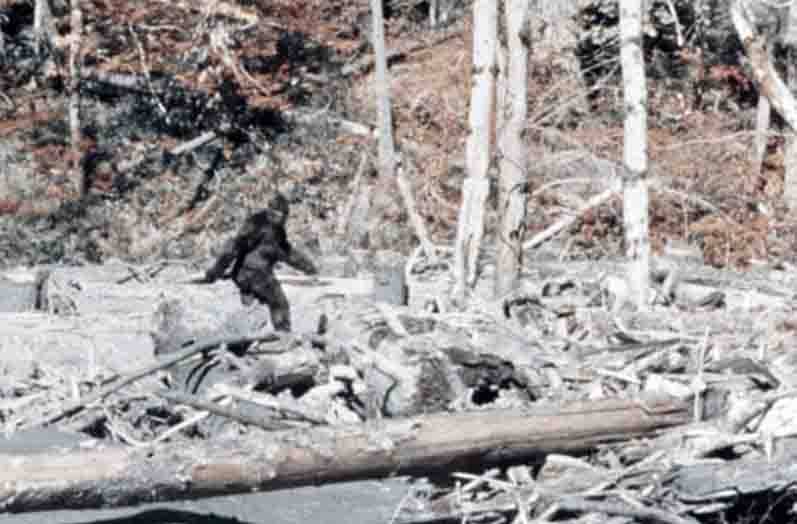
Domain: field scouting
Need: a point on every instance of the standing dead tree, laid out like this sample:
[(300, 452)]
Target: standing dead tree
[(635, 183), (75, 61), (43, 25), (387, 152), (746, 16), (512, 148), (479, 147)]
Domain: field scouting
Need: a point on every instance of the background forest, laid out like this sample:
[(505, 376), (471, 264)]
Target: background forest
[(191, 114)]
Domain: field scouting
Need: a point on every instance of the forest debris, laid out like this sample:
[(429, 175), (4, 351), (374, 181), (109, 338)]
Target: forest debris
[(723, 481), (195, 348), (238, 414), (111, 476)]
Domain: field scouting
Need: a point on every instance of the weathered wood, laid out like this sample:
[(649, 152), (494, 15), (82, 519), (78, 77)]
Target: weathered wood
[(114, 476), (714, 482), (198, 347), (19, 292)]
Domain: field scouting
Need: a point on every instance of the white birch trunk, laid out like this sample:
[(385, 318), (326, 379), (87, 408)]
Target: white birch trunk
[(42, 24), (387, 155), (478, 148), (635, 187), (75, 61), (513, 154)]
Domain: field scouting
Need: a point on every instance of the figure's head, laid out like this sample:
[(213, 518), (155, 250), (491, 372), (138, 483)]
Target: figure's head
[(279, 207)]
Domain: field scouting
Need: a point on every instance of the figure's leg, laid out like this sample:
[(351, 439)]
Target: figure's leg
[(269, 290), (244, 282)]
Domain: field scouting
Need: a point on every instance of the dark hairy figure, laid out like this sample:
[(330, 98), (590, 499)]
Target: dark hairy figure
[(254, 252)]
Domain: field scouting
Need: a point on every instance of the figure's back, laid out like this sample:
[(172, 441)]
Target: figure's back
[(265, 241)]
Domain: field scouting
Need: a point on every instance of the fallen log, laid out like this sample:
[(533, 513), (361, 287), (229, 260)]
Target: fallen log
[(116, 476)]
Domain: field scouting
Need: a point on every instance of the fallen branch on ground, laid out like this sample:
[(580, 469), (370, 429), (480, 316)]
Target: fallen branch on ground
[(188, 352), (115, 476)]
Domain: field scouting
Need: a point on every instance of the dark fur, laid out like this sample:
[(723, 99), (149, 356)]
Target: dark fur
[(258, 246)]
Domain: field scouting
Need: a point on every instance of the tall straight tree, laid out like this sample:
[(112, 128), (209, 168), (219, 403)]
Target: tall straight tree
[(75, 67), (387, 150), (512, 148), (635, 145), (387, 154), (479, 146)]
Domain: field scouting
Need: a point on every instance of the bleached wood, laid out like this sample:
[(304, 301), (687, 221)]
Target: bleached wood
[(470, 225), (75, 62), (567, 220), (43, 27), (635, 190), (763, 114), (115, 476), (387, 155), (387, 152), (513, 150)]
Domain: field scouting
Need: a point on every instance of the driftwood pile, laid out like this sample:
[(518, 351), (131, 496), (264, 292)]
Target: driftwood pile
[(558, 401)]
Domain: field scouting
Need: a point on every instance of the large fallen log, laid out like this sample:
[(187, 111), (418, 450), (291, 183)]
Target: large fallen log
[(115, 476)]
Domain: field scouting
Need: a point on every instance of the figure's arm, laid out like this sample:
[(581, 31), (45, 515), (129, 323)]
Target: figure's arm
[(234, 247), (299, 260)]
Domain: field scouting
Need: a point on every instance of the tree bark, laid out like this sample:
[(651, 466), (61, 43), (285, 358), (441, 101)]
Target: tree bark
[(768, 80), (635, 192), (763, 115), (387, 154), (117, 476), (479, 147), (42, 24), (513, 151), (75, 62)]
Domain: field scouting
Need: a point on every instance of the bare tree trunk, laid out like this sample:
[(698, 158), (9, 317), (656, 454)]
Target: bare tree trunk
[(434, 7), (513, 151), (635, 144), (353, 222), (405, 188), (763, 116), (790, 153), (42, 24), (116, 476), (75, 62), (790, 174), (479, 149), (387, 155), (769, 82)]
